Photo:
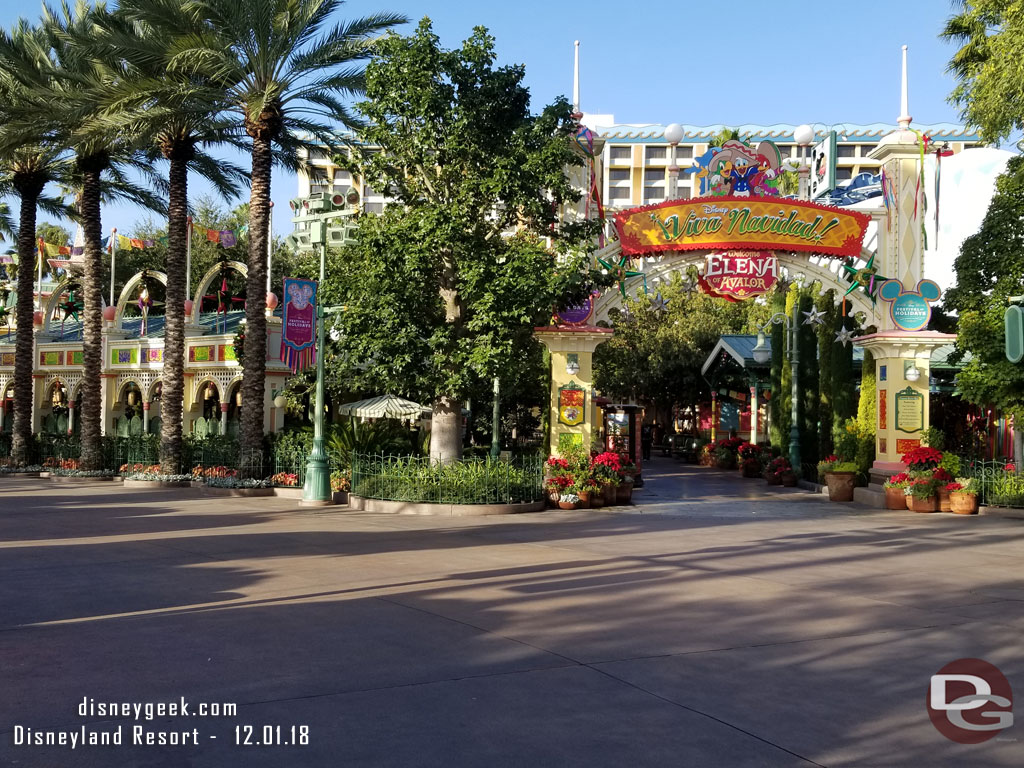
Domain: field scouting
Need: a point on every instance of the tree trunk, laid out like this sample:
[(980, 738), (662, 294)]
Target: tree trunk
[(173, 378), (254, 361), (24, 358), (446, 430), (91, 406)]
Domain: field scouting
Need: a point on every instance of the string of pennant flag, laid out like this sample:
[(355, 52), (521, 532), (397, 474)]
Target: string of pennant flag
[(224, 237)]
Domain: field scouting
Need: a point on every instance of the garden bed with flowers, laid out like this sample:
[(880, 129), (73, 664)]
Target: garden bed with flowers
[(931, 482)]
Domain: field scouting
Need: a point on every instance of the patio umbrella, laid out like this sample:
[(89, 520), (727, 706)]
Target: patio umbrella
[(383, 407)]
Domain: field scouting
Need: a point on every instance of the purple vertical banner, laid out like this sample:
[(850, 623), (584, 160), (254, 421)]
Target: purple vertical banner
[(298, 349)]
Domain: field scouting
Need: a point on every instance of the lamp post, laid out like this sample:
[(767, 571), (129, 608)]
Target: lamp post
[(673, 135), (496, 421), (804, 136), (317, 488), (762, 354)]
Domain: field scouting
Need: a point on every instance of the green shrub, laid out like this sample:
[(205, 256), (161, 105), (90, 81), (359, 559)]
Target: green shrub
[(417, 479)]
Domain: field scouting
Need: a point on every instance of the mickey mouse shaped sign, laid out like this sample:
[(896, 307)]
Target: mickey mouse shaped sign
[(910, 310)]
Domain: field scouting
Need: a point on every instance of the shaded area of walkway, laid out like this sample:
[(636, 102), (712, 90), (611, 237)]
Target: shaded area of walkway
[(789, 632)]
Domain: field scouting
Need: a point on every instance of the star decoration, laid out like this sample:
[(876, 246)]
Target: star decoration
[(625, 314), (659, 304), (866, 278), (814, 317), (689, 286), (844, 336), (622, 272)]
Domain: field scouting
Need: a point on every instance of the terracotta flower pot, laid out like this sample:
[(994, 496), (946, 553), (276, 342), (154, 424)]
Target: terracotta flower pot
[(624, 493), (584, 500), (567, 505), (931, 504), (597, 498), (553, 497), (943, 497), (789, 480), (610, 494), (773, 479), (840, 485), (963, 503), (750, 470), (895, 498), (727, 463)]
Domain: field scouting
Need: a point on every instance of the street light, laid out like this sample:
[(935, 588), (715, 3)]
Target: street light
[(673, 135), (318, 210), (762, 354)]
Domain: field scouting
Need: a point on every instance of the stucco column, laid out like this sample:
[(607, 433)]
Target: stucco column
[(37, 404), (145, 417), (572, 381), (71, 417), (224, 418), (714, 415)]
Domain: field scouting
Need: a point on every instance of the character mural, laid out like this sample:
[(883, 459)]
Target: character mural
[(738, 170)]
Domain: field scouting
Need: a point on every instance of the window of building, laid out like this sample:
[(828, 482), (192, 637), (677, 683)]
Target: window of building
[(618, 174), (684, 193), (653, 193), (845, 150), (654, 174), (619, 193), (657, 153), (369, 191), (684, 153), (865, 149), (844, 174), (373, 207), (318, 153), (342, 177), (620, 154)]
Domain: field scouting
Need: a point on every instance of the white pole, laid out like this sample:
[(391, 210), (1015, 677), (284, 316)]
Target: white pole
[(576, 80), (904, 118), (39, 283), (113, 261), (270, 240)]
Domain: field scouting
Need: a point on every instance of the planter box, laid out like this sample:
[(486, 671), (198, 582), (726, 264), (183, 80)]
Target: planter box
[(568, 505), (243, 492), (152, 484), (382, 506), (943, 496), (76, 479), (341, 497), (840, 485), (624, 493), (288, 491)]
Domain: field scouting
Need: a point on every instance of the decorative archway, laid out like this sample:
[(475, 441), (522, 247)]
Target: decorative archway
[(57, 301), (128, 292), (204, 285)]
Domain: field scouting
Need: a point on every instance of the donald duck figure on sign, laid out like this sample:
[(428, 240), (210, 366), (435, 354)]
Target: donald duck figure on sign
[(740, 170)]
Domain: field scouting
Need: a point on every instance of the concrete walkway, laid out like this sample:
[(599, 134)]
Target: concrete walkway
[(735, 626)]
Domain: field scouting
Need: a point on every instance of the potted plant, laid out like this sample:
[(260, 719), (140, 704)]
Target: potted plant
[(581, 489), (605, 467), (624, 491), (942, 479), (922, 459), (595, 491), (963, 496), (775, 469), (788, 478), (895, 498), (825, 465), (726, 452), (920, 493), (840, 479), (568, 501)]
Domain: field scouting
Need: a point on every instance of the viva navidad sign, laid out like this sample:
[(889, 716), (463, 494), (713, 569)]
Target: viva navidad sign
[(742, 222)]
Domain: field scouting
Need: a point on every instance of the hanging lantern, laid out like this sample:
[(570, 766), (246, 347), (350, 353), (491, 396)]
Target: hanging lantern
[(131, 397), (211, 391), (238, 398)]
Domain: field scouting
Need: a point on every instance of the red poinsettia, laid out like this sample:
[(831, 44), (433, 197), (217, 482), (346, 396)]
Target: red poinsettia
[(954, 487), (558, 463), (1011, 467), (942, 475), (900, 477), (607, 459), (922, 457)]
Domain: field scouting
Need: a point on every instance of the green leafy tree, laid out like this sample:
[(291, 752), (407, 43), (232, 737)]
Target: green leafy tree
[(439, 294), (990, 269), (779, 412), (655, 358), (843, 404), (809, 379), (826, 349), (286, 73), (989, 83)]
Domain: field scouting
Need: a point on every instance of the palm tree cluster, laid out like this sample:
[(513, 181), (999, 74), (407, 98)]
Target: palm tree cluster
[(98, 99)]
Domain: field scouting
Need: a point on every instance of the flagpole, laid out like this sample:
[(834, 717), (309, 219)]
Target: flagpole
[(270, 237), (113, 261), (39, 283)]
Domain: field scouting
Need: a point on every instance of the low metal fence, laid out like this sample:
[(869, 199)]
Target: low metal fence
[(472, 481), (1000, 484)]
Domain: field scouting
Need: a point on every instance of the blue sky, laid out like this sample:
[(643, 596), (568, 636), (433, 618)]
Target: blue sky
[(696, 63)]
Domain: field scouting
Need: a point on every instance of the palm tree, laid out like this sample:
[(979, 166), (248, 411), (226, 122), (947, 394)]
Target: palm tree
[(28, 162), (71, 87), (178, 115), (285, 74)]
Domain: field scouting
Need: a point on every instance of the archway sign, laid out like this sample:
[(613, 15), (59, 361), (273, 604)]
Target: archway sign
[(743, 236)]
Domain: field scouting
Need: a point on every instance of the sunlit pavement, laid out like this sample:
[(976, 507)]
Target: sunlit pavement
[(735, 626)]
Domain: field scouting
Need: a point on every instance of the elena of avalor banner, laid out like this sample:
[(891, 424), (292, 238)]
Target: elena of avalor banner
[(742, 223), (298, 348), (739, 275)]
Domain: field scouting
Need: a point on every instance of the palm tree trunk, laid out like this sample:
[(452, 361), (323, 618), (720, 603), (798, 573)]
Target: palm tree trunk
[(92, 316), (173, 379), (29, 190), (254, 362)]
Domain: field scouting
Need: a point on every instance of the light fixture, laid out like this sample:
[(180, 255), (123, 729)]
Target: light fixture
[(572, 364), (674, 133), (762, 352), (913, 373), (280, 401), (211, 391), (238, 398), (803, 135)]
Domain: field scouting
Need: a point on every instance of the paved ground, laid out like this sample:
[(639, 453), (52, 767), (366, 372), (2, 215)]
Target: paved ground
[(718, 623)]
